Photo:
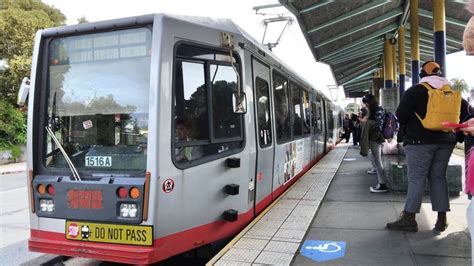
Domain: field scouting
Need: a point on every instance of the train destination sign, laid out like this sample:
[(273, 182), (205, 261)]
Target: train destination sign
[(110, 233)]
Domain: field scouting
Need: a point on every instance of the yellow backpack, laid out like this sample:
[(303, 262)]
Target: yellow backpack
[(443, 105)]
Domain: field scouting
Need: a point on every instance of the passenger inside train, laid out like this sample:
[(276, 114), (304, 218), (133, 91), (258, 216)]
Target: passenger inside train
[(183, 134)]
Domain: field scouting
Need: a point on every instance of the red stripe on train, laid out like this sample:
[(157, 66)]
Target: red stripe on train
[(165, 247)]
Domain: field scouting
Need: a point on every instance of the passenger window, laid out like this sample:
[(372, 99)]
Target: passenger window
[(314, 117), (321, 114), (224, 82), (191, 122), (296, 103), (192, 100), (282, 111), (306, 113), (204, 121), (263, 111), (330, 118)]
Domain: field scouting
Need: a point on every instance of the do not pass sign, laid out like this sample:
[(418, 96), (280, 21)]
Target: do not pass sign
[(168, 185)]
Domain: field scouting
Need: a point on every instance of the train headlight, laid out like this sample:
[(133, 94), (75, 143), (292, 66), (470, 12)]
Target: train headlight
[(47, 205), (128, 210)]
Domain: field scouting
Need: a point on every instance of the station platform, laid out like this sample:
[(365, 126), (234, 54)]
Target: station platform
[(332, 204)]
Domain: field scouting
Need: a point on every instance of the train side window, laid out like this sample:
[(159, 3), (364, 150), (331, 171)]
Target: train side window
[(330, 117), (226, 123), (204, 121), (263, 111), (314, 118), (306, 113), (297, 116), (320, 113), (191, 122), (282, 111)]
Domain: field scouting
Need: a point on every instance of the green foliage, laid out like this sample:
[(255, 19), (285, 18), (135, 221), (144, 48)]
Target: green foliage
[(53, 13), (12, 128), (459, 84), (19, 67), (82, 19), (19, 22)]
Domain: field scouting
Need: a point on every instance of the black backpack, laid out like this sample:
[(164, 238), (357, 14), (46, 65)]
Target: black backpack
[(390, 126)]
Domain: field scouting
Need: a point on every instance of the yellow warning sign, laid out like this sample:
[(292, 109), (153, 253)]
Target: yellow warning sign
[(110, 233)]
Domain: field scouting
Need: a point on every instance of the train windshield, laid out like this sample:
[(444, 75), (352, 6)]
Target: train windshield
[(97, 100)]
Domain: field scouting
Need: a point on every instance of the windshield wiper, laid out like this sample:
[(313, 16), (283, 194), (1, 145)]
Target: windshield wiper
[(75, 174)]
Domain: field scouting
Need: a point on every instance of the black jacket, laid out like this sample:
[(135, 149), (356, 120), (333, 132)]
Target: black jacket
[(414, 100)]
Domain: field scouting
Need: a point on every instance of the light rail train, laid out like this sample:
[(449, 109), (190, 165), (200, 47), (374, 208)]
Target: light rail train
[(154, 135)]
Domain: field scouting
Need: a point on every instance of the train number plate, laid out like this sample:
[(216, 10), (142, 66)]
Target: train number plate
[(140, 235), (98, 161)]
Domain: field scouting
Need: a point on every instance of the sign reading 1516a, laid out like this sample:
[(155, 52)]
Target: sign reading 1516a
[(98, 161)]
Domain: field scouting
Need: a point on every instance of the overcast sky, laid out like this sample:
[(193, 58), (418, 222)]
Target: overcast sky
[(292, 49)]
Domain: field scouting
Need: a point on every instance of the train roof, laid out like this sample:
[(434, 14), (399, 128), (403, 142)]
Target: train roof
[(222, 24)]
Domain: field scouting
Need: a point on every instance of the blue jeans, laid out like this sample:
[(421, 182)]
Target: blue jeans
[(427, 161)]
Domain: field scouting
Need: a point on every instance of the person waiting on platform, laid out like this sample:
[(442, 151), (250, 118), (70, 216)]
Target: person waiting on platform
[(183, 135), (427, 152), (355, 128), (372, 138), (346, 126)]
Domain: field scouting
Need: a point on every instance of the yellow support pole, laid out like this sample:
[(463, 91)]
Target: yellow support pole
[(388, 64), (401, 60), (414, 33), (394, 63), (439, 32), (401, 50), (439, 16)]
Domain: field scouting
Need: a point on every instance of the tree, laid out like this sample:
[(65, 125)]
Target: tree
[(459, 84), (12, 128), (19, 22), (82, 19)]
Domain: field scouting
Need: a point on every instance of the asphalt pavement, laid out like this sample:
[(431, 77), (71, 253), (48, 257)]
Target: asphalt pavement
[(14, 216)]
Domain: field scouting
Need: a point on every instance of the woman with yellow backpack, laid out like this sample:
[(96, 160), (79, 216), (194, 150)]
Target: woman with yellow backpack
[(427, 143)]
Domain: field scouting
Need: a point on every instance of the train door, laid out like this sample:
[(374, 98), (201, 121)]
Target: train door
[(264, 168), (207, 142)]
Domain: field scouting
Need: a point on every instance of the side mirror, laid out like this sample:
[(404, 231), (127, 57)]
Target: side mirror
[(23, 92), (239, 103)]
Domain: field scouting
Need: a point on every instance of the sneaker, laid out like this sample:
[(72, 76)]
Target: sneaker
[(406, 222), (372, 172), (379, 188)]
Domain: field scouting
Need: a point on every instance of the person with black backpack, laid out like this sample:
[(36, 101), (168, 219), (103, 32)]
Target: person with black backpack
[(372, 138)]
